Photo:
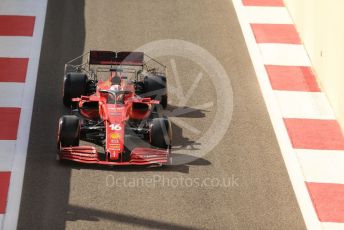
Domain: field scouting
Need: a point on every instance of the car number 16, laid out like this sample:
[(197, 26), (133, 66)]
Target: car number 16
[(115, 127)]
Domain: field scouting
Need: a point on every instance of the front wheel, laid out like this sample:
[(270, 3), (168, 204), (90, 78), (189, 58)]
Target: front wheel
[(69, 131)]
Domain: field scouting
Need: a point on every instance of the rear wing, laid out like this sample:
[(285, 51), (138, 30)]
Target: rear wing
[(116, 58), (96, 61)]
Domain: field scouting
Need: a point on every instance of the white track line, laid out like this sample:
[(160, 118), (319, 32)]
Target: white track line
[(284, 54), (11, 94), (268, 15), (15, 46), (289, 156), (322, 165), (6, 155), (16, 183), (309, 105)]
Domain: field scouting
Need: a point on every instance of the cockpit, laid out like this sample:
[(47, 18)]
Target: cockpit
[(116, 96)]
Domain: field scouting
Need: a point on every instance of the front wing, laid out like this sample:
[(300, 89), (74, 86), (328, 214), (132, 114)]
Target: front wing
[(138, 156)]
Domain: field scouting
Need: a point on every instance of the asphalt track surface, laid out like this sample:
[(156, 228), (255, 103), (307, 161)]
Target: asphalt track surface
[(72, 196)]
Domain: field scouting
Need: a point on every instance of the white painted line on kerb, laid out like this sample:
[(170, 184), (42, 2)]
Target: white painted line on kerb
[(6, 155), (324, 166), (284, 54), (309, 105), (332, 226), (15, 46), (17, 175), (289, 156), (11, 94), (268, 15)]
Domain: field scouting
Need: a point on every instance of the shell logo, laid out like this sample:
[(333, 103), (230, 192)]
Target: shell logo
[(115, 135)]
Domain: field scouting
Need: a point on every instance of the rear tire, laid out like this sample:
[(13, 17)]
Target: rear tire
[(161, 133), (163, 101), (156, 88), (69, 131), (74, 86)]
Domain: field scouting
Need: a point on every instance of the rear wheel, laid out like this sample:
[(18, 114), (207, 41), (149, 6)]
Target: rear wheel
[(156, 88), (156, 111), (163, 101), (69, 131), (161, 133), (74, 85)]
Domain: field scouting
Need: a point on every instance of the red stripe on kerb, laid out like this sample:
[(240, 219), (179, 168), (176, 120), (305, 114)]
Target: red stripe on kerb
[(263, 2), (315, 134), (276, 33), (9, 123), (4, 184), (294, 78), (12, 25), (13, 69), (328, 201)]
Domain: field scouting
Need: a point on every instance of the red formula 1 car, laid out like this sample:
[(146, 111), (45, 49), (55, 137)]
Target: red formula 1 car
[(116, 100)]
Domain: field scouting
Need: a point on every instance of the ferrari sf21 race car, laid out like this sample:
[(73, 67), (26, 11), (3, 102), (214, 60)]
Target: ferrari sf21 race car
[(116, 101)]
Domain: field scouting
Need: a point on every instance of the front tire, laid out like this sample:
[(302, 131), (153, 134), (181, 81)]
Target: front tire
[(69, 131)]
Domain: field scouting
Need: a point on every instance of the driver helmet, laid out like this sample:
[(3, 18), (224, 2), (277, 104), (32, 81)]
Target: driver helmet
[(115, 80)]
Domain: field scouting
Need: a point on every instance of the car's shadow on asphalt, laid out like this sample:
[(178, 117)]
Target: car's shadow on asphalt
[(80, 213), (184, 111)]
